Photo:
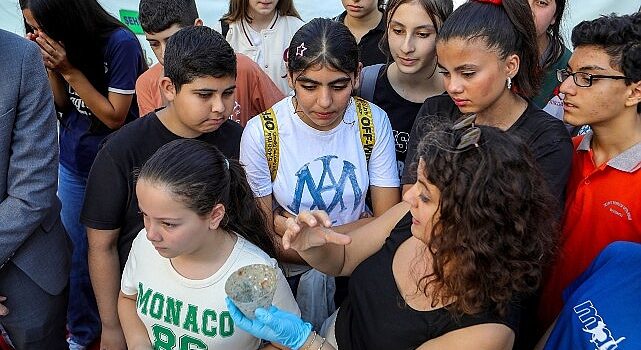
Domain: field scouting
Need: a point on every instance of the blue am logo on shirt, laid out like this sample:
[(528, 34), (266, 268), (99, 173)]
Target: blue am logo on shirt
[(327, 182)]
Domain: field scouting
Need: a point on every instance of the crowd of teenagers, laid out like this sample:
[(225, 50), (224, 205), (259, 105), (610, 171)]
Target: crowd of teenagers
[(422, 177)]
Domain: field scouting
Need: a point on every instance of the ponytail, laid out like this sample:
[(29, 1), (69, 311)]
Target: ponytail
[(244, 214), (506, 27), (200, 175)]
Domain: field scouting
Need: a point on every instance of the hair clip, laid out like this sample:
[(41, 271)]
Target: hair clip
[(300, 50), (470, 136), (495, 2)]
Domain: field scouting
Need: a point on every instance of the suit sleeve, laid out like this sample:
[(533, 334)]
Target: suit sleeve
[(32, 157)]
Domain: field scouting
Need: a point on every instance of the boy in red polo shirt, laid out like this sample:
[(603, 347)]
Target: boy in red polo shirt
[(602, 88)]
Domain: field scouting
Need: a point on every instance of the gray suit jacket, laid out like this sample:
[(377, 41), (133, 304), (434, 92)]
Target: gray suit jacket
[(31, 233)]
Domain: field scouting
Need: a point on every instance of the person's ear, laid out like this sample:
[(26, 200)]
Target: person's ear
[(512, 63), (198, 22), (290, 80), (216, 216), (167, 89), (634, 95)]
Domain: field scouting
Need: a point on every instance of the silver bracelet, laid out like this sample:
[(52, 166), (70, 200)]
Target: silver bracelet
[(308, 347)]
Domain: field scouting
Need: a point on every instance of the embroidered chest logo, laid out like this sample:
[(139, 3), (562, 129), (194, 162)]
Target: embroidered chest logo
[(326, 183), (619, 209), (594, 325)]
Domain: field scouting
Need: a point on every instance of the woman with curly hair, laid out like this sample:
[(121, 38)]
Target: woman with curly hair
[(446, 268)]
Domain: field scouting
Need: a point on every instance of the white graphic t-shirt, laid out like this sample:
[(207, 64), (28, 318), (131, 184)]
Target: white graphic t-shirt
[(324, 170), (181, 313)]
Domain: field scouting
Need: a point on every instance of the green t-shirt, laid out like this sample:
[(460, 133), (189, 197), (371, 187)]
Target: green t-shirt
[(550, 82)]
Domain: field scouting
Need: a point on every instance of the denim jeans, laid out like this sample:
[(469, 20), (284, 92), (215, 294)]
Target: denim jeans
[(314, 293), (83, 320)]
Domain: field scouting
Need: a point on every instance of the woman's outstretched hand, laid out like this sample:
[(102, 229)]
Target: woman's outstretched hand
[(273, 325), (311, 229)]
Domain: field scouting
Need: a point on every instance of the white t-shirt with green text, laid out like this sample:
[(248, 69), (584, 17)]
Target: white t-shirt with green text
[(181, 313)]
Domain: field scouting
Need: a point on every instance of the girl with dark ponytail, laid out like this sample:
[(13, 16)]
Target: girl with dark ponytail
[(201, 224), (488, 56)]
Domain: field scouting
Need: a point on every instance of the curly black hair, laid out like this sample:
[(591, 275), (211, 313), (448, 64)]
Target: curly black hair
[(620, 37), (496, 230)]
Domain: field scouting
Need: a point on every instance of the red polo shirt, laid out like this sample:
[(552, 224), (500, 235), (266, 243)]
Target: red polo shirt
[(603, 205)]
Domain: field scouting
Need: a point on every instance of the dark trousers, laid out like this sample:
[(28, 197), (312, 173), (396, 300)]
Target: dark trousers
[(36, 319)]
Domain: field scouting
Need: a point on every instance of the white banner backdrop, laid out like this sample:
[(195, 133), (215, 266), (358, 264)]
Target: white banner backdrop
[(211, 10)]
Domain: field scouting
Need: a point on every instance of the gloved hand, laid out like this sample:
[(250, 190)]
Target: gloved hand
[(273, 325)]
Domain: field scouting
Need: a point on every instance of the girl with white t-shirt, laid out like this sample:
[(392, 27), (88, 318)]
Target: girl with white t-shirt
[(320, 151), (262, 30), (201, 224)]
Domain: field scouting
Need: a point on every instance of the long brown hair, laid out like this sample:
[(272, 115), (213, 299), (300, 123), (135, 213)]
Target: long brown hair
[(239, 9), (496, 231), (437, 10)]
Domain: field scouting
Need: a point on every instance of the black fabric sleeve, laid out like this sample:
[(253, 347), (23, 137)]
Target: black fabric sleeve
[(554, 160), (106, 195)]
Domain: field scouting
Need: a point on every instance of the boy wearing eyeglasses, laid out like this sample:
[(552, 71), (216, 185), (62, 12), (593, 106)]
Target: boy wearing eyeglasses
[(601, 88)]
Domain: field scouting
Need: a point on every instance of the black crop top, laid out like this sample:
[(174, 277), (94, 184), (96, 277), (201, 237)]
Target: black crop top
[(375, 316)]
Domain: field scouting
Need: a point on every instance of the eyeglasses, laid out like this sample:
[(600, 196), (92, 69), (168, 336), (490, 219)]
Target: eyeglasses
[(471, 136), (583, 79)]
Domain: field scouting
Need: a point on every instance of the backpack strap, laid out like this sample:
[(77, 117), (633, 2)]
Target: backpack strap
[(369, 75), (272, 150), (270, 130), (365, 126), (224, 28)]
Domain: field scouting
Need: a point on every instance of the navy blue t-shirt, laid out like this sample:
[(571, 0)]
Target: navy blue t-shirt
[(603, 305), (80, 131)]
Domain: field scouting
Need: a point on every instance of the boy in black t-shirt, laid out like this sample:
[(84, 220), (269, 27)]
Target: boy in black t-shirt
[(199, 83), (365, 20)]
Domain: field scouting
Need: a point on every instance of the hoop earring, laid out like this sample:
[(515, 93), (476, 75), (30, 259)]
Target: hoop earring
[(509, 83), (351, 99)]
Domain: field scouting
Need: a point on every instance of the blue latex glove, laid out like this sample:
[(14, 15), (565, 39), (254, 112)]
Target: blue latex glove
[(272, 325)]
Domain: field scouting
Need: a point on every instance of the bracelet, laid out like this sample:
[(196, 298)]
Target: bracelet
[(322, 343), (311, 342)]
